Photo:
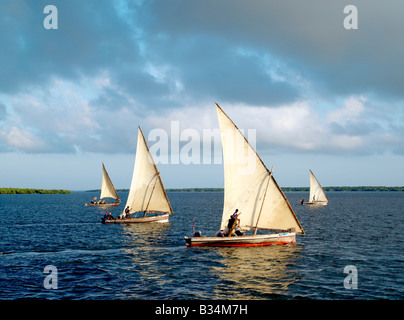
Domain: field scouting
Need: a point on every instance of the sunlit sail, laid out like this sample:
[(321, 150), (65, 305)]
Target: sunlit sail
[(147, 200), (107, 191), (252, 189), (317, 194)]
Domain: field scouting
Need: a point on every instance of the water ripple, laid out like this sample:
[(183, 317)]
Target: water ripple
[(96, 261)]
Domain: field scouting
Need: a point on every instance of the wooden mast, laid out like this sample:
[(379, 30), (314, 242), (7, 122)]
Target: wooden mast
[(259, 215)]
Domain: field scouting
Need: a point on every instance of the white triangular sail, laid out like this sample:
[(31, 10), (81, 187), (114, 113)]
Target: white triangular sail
[(107, 187), (317, 193), (249, 186), (146, 192)]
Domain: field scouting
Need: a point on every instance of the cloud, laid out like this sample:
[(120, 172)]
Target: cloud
[(211, 67), (3, 111), (90, 36), (23, 140), (348, 129), (287, 68), (295, 126), (308, 35), (351, 111), (157, 47)]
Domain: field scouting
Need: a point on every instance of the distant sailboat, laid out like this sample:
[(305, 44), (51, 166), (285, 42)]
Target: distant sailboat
[(107, 191), (147, 199), (254, 192), (317, 194)]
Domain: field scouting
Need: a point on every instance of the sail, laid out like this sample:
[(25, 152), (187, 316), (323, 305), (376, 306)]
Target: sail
[(107, 188), (249, 186), (146, 192), (317, 193)]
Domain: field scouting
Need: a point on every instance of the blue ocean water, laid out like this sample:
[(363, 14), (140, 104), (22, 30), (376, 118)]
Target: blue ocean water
[(150, 261)]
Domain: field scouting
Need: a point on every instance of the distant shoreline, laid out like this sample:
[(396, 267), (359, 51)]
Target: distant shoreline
[(32, 191), (285, 189), (299, 189)]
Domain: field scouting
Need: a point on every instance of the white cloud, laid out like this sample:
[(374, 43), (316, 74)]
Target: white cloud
[(295, 127), (23, 140), (267, 62), (345, 142), (352, 110), (298, 126)]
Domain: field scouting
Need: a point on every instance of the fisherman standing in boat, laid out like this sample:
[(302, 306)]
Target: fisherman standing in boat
[(235, 216), (127, 212), (233, 219)]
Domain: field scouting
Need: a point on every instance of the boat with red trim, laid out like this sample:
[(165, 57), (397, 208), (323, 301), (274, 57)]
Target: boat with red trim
[(253, 199), (242, 241)]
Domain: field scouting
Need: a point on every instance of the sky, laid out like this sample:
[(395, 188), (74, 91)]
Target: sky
[(310, 93)]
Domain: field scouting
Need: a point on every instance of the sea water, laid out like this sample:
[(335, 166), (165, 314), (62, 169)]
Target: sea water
[(353, 249)]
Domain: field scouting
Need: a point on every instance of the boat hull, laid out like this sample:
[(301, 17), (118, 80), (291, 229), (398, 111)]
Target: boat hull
[(149, 219), (102, 204), (316, 203), (242, 241)]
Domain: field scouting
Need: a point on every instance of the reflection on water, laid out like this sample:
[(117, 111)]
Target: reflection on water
[(151, 261), (251, 273), (144, 234), (144, 272), (203, 273)]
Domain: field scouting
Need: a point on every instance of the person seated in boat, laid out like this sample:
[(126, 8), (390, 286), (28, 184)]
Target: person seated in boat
[(108, 216), (221, 234), (239, 231), (197, 234), (301, 201)]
